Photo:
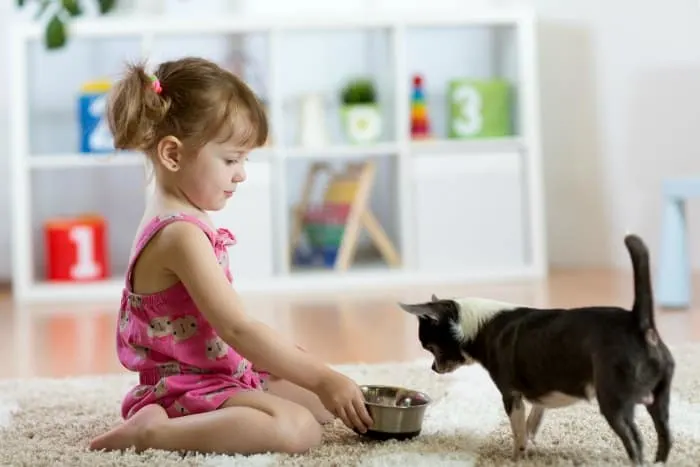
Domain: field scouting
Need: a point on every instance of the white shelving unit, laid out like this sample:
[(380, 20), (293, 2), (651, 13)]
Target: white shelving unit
[(494, 226)]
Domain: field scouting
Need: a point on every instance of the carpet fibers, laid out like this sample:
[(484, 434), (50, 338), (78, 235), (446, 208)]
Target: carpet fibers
[(48, 422)]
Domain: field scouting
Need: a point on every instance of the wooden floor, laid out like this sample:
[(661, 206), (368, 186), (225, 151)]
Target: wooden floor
[(64, 340)]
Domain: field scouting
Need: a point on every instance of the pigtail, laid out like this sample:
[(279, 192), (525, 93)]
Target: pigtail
[(136, 107)]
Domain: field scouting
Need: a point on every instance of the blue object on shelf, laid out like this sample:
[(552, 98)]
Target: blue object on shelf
[(95, 136), (316, 256), (329, 254), (674, 281)]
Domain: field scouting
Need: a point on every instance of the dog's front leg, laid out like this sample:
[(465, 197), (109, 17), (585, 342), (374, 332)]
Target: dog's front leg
[(534, 419), (515, 408)]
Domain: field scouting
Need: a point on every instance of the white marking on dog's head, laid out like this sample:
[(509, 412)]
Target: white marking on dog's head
[(475, 312)]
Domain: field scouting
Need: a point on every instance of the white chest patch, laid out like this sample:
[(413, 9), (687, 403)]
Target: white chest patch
[(556, 400)]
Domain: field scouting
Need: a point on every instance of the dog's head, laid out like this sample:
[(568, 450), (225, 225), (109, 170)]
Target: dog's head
[(440, 333)]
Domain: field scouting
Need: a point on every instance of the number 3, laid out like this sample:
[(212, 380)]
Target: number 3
[(469, 120)]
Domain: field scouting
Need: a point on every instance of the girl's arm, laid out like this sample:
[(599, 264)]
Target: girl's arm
[(187, 252)]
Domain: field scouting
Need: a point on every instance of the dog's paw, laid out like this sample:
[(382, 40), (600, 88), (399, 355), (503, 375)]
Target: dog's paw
[(519, 452), (531, 438)]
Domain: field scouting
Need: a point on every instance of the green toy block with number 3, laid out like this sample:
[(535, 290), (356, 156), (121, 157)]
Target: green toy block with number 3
[(478, 108)]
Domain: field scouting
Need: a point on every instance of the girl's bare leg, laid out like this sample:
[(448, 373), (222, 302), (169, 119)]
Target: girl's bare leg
[(248, 423), (292, 392)]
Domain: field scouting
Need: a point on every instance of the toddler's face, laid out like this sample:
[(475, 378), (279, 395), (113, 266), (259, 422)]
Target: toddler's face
[(210, 178)]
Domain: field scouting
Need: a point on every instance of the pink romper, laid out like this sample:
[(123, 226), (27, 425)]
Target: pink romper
[(182, 363)]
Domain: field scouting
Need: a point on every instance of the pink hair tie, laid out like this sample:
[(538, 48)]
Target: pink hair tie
[(156, 84)]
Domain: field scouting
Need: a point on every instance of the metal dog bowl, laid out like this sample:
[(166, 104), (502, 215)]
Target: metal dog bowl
[(397, 412)]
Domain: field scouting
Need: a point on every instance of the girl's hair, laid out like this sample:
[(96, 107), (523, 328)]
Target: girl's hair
[(196, 101)]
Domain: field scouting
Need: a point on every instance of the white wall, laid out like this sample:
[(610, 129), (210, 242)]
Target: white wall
[(621, 111), (5, 261), (614, 106)]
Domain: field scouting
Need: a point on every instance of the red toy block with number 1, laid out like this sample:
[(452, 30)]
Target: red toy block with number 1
[(76, 249)]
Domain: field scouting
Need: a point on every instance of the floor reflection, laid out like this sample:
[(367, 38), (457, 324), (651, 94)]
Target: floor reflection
[(66, 340)]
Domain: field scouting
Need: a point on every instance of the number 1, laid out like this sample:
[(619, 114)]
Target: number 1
[(85, 267)]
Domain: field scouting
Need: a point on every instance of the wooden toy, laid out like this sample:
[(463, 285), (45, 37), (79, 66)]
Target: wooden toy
[(420, 124), (479, 108), (333, 227), (76, 248), (95, 136)]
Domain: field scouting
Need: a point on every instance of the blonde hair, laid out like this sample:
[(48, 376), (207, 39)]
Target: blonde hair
[(197, 100)]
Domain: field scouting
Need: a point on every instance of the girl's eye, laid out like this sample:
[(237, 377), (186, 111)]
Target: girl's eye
[(237, 160)]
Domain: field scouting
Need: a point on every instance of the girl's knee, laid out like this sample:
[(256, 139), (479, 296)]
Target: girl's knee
[(299, 431)]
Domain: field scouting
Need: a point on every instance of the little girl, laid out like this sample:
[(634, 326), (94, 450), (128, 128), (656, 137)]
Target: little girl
[(204, 366)]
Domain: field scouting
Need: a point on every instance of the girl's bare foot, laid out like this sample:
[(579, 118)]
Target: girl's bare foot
[(132, 432)]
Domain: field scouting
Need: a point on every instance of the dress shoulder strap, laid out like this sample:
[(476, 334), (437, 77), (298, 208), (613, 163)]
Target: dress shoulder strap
[(153, 227)]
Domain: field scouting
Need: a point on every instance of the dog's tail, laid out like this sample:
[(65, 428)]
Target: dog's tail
[(643, 308)]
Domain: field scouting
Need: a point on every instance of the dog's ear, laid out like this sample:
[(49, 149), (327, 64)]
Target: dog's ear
[(434, 298), (422, 310)]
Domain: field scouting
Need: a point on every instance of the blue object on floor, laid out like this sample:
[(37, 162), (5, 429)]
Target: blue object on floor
[(673, 289)]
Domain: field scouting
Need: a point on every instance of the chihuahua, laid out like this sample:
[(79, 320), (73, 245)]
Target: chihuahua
[(553, 357)]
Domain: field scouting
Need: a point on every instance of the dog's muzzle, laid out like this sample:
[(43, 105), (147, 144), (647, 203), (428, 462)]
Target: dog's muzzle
[(441, 370)]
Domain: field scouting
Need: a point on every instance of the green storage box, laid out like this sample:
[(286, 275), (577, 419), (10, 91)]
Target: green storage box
[(479, 108)]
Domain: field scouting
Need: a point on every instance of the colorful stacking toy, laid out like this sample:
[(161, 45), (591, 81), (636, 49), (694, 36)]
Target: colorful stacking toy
[(420, 124)]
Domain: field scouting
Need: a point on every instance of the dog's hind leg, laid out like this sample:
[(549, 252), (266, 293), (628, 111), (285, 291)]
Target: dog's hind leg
[(620, 417), (659, 414), (534, 419), (515, 408)]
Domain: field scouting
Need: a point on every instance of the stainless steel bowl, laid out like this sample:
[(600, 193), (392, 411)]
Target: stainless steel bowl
[(397, 412)]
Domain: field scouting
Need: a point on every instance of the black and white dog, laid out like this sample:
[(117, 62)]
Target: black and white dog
[(555, 357)]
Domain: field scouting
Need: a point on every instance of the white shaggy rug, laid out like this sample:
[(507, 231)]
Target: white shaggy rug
[(48, 422)]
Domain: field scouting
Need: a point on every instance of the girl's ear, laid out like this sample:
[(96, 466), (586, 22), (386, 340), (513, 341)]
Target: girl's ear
[(169, 153)]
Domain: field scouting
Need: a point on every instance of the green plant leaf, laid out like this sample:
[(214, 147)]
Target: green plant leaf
[(20, 3), (108, 5), (55, 33), (72, 7), (359, 91)]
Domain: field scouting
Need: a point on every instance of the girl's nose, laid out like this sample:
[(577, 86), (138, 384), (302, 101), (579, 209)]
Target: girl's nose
[(239, 177)]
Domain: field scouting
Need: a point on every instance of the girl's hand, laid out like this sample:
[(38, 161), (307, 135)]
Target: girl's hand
[(343, 398)]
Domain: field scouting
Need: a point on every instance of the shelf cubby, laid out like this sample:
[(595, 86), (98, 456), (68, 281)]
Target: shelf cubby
[(382, 203), (54, 82), (116, 194), (304, 55), (443, 54)]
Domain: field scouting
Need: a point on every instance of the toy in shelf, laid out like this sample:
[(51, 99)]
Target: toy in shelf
[(312, 127), (478, 108), (362, 117), (420, 123), (333, 227), (76, 248), (95, 136)]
